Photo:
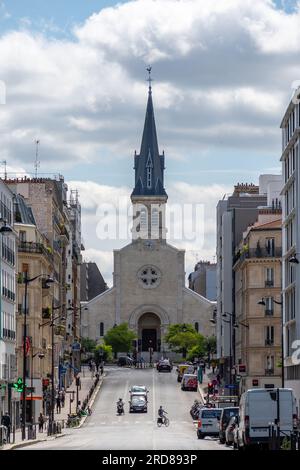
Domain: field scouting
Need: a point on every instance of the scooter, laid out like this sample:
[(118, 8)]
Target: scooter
[(120, 409)]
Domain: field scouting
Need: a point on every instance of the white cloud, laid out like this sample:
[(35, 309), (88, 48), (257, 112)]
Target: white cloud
[(214, 63), (92, 195)]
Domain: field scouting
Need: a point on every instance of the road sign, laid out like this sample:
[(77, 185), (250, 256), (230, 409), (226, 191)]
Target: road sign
[(238, 378), (76, 346), (230, 386)]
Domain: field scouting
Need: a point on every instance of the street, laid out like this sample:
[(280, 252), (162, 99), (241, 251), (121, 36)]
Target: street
[(136, 431)]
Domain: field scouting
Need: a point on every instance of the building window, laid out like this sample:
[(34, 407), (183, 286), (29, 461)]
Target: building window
[(149, 277), (101, 329), (143, 220), (269, 310), (197, 327), (270, 365), (269, 281), (149, 178), (269, 338), (270, 246)]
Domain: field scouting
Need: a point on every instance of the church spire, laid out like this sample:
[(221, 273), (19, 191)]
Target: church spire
[(149, 164)]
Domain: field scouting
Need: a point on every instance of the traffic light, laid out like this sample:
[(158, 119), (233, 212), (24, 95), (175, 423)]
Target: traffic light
[(19, 385)]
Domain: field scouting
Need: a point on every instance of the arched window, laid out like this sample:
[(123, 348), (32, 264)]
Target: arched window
[(197, 327), (143, 220), (101, 329)]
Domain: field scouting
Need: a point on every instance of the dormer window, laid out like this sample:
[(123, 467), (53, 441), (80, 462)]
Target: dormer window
[(149, 178), (149, 167)]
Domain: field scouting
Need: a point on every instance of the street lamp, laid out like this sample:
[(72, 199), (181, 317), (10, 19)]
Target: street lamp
[(262, 302), (41, 356), (224, 315), (51, 323), (27, 281)]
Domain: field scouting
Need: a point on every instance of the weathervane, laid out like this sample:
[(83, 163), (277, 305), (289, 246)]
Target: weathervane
[(149, 79)]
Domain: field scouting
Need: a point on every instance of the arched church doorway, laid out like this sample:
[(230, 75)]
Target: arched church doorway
[(149, 334)]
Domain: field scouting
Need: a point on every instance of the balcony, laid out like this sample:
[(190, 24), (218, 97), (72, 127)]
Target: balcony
[(269, 372), (269, 342), (269, 283), (257, 253), (269, 313), (37, 248)]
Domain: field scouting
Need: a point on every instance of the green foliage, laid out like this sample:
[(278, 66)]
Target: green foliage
[(210, 345), (183, 337), (120, 338), (286, 443), (103, 351), (88, 345)]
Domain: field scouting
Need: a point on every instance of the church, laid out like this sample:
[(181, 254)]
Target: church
[(149, 291)]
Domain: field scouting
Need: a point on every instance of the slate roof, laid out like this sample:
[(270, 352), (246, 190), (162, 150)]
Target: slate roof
[(149, 161)]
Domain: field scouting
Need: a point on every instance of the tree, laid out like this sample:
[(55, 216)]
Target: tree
[(103, 352), (182, 337), (210, 344), (120, 338), (88, 345)]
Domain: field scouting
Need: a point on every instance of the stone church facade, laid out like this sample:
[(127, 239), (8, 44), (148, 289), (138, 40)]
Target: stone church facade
[(149, 290)]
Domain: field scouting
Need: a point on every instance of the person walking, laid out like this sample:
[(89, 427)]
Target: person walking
[(41, 421), (58, 405), (62, 398), (6, 421)]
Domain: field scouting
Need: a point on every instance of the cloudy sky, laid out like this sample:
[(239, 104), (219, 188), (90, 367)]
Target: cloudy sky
[(74, 74)]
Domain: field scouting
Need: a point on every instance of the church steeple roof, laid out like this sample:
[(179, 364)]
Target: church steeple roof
[(149, 164)]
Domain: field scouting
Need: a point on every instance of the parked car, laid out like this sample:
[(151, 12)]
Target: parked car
[(189, 382), (208, 422), (181, 369), (226, 415), (164, 365), (124, 361), (138, 403), (258, 408), (229, 433)]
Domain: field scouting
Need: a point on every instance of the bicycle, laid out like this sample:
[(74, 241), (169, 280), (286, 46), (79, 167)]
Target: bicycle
[(163, 420)]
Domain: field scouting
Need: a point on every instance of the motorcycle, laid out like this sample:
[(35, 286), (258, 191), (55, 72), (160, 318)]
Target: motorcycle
[(194, 411), (120, 409), (163, 420)]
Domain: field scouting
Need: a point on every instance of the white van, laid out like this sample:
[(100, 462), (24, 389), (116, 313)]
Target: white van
[(259, 408)]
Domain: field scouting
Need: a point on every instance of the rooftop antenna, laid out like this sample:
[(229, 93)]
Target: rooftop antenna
[(5, 169), (149, 79), (37, 162)]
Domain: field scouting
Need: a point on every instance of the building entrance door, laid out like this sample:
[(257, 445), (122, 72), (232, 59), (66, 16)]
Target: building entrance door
[(149, 339)]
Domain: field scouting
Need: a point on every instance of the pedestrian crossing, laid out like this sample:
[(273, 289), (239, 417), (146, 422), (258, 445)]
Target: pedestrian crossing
[(122, 421)]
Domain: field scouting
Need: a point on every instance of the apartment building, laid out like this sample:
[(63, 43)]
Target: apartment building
[(9, 399), (290, 159), (257, 268)]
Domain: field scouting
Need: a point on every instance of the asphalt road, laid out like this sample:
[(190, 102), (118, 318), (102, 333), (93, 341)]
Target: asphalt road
[(104, 430)]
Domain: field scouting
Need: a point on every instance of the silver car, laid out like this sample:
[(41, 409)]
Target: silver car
[(208, 422)]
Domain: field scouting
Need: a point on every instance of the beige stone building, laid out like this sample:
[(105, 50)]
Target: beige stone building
[(34, 258), (149, 276), (257, 269)]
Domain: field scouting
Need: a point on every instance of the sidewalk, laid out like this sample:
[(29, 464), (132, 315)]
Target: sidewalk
[(87, 379), (207, 378)]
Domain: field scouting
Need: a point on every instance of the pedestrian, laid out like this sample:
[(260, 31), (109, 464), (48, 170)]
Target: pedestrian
[(218, 380), (62, 398), (6, 421), (58, 405), (41, 421), (101, 369), (142, 362)]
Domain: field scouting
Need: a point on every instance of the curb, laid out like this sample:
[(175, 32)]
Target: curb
[(91, 402), (34, 441)]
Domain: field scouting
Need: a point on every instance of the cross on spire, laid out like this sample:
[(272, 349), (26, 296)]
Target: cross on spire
[(149, 79)]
